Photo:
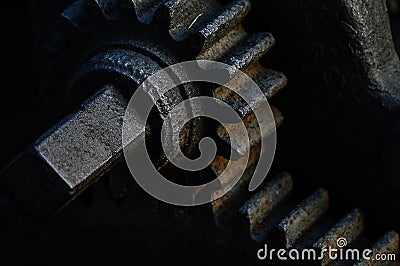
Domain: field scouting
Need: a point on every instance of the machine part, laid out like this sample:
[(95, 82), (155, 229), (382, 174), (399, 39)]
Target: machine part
[(259, 207), (345, 101), (301, 219), (70, 157), (117, 62)]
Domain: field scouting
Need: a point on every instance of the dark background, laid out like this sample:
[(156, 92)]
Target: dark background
[(19, 100)]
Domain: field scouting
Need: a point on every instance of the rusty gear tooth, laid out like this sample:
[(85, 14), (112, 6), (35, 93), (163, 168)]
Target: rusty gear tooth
[(388, 244), (253, 130), (259, 207), (220, 25), (350, 227), (225, 208), (224, 44), (301, 219), (269, 81), (249, 50)]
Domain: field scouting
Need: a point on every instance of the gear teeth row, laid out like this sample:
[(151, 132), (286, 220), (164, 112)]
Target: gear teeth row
[(217, 29), (204, 23), (214, 29), (233, 199), (272, 216)]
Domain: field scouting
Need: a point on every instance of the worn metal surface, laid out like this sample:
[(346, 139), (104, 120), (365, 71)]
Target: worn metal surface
[(259, 207), (387, 244), (372, 44), (230, 16), (253, 130), (70, 156), (269, 81), (301, 219), (350, 227)]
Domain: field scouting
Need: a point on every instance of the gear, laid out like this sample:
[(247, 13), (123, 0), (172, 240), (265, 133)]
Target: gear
[(115, 50), (115, 44)]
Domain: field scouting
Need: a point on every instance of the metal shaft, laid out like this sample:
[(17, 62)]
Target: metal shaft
[(69, 157)]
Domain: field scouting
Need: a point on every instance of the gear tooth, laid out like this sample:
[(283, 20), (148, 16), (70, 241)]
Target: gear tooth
[(75, 15), (225, 207), (111, 9), (184, 15), (219, 48), (350, 228), (269, 81), (145, 9), (303, 217), (262, 205), (388, 244), (253, 129), (249, 50), (221, 24)]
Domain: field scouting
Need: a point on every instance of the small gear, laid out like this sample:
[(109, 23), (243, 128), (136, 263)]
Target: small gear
[(106, 49)]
